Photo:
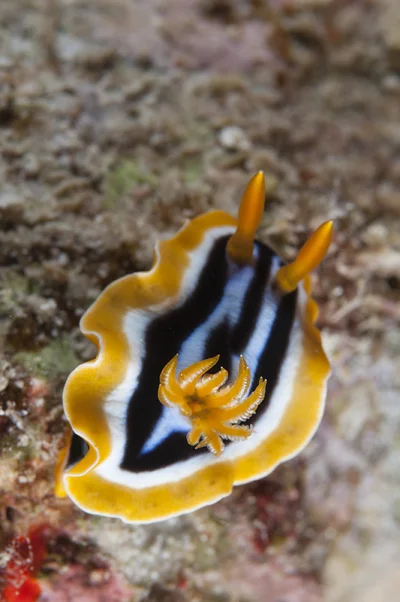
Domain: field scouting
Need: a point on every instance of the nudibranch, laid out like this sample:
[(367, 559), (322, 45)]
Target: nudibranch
[(210, 371)]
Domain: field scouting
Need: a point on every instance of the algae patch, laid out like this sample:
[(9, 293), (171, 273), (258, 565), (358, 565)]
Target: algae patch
[(55, 359), (13, 288), (122, 179)]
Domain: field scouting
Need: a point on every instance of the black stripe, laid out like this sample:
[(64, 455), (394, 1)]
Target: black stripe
[(274, 353), (164, 337), (227, 341), (77, 450), (253, 301)]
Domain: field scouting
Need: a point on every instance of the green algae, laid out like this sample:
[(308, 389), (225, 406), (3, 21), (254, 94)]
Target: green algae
[(13, 288), (11, 450), (192, 170), (122, 179), (50, 361)]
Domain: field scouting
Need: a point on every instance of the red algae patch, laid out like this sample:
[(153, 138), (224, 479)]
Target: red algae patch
[(25, 557)]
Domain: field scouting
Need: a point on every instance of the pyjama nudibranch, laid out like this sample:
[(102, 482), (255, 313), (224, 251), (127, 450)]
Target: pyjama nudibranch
[(210, 371)]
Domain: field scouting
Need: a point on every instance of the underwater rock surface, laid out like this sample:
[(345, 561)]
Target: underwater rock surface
[(119, 121)]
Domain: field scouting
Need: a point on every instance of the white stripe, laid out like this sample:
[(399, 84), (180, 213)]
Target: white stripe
[(264, 323)]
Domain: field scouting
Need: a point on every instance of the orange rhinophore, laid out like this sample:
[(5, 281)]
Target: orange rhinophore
[(308, 258)]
